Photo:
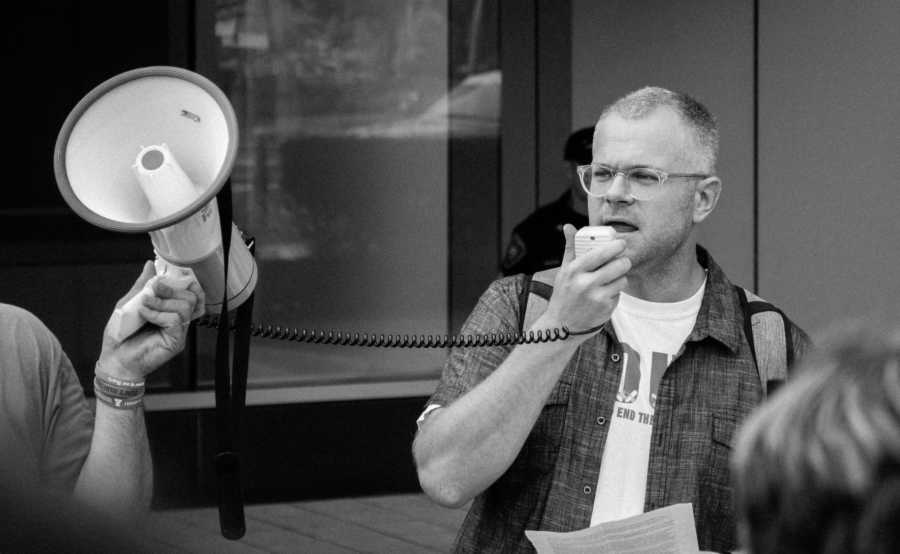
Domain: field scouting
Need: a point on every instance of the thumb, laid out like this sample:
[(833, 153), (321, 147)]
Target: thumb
[(569, 252)]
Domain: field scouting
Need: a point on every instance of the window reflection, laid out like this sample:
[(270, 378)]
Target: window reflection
[(347, 111)]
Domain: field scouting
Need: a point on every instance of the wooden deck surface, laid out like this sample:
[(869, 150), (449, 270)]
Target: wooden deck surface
[(396, 523)]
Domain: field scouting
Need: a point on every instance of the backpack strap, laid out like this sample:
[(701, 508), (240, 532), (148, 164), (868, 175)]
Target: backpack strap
[(535, 296), (768, 331)]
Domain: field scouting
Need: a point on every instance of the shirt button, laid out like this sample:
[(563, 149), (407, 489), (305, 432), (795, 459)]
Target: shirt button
[(614, 357), (601, 420), (587, 489)]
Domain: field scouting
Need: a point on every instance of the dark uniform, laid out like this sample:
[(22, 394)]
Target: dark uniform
[(537, 242)]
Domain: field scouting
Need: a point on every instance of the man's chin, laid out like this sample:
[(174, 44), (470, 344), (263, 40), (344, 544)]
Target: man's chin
[(633, 251), (631, 241)]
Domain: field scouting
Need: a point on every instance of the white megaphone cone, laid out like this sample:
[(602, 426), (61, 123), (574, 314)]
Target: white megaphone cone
[(147, 151), (194, 242)]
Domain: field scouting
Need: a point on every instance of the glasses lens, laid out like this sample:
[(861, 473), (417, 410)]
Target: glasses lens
[(643, 177), (643, 182), (584, 175), (595, 179), (603, 174)]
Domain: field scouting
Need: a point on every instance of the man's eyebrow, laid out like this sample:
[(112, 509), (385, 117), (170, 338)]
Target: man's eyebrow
[(629, 167)]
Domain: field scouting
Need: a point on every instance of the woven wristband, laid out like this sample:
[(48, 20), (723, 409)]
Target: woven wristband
[(116, 382), (107, 388), (119, 403)]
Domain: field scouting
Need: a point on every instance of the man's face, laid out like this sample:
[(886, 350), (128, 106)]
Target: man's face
[(653, 229)]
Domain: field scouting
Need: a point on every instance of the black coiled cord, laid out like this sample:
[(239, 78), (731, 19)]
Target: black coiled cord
[(313, 336)]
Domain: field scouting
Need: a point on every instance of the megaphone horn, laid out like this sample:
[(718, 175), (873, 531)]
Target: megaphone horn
[(147, 151)]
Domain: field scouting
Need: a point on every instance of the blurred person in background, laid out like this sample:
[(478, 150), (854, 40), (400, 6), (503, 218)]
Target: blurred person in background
[(817, 468)]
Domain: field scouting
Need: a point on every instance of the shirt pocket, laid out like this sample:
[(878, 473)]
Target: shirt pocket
[(715, 510), (723, 429), (715, 470)]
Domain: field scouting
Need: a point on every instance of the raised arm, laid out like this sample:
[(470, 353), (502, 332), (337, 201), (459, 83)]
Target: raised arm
[(117, 476), (462, 448)]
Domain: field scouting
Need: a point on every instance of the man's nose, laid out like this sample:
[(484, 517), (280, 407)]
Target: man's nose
[(619, 190)]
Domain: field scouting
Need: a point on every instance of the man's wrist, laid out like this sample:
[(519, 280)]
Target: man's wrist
[(118, 392), (111, 367), (547, 324)]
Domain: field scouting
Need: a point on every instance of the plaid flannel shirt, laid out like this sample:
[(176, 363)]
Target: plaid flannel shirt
[(703, 396)]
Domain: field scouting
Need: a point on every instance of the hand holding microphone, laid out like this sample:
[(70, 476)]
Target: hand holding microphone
[(587, 286)]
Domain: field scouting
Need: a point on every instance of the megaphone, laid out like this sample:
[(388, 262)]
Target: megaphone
[(147, 151)]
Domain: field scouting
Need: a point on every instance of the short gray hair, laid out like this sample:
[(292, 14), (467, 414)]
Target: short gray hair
[(817, 468), (698, 118)]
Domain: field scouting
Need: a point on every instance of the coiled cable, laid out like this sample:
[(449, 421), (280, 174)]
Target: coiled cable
[(334, 337)]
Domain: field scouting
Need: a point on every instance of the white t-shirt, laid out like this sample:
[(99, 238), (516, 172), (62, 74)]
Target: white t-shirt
[(652, 334)]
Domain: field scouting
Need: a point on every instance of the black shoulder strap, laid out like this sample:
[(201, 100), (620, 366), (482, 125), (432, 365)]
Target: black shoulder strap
[(543, 290), (531, 286), (523, 299)]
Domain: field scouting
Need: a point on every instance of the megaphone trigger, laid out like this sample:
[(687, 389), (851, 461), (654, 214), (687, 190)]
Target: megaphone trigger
[(126, 320), (179, 278)]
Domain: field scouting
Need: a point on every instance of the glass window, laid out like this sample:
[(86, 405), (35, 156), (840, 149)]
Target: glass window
[(348, 113)]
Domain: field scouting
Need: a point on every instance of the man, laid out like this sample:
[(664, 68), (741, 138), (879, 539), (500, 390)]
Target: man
[(537, 242), (817, 469), (639, 412), (51, 440)]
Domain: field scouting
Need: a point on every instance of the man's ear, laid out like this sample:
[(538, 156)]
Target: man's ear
[(706, 196)]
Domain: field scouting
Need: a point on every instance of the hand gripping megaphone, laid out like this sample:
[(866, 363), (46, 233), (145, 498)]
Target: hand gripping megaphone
[(147, 151)]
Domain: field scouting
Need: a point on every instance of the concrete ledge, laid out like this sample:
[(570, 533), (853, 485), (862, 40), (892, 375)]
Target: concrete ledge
[(294, 395)]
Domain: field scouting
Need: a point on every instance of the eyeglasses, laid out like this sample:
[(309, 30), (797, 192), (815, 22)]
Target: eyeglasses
[(644, 182)]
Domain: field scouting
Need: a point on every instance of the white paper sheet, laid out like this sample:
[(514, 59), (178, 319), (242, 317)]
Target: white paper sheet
[(668, 530)]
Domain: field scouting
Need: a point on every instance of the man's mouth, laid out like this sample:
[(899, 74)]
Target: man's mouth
[(621, 226)]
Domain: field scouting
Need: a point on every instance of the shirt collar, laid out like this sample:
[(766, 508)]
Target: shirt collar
[(720, 315)]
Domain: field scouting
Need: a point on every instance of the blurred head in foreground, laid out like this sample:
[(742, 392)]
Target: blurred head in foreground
[(817, 468)]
